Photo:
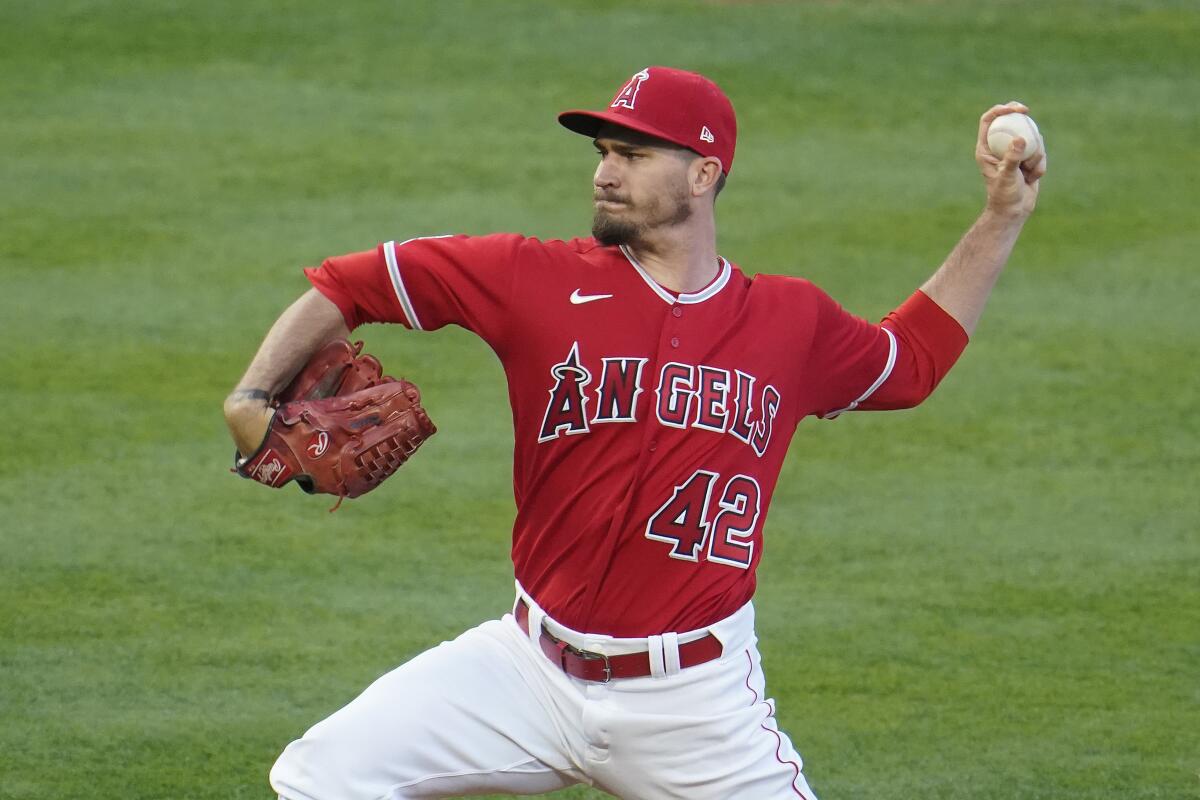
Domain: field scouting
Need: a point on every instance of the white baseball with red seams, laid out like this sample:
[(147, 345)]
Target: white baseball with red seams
[(1007, 127)]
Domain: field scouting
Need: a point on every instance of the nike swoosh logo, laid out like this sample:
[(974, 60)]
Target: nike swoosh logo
[(578, 299)]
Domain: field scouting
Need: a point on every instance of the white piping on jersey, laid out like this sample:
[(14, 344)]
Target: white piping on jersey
[(883, 376), (694, 297), (393, 267)]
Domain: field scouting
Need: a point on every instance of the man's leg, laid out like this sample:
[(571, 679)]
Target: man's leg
[(466, 717), (706, 733)]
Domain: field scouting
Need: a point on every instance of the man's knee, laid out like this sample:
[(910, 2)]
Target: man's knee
[(287, 777), (316, 769)]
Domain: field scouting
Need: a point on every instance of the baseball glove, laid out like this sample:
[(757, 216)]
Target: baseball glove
[(340, 427)]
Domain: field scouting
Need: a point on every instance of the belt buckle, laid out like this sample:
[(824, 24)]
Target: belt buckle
[(586, 655)]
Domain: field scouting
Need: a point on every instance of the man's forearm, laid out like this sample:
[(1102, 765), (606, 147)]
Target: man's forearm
[(962, 284), (299, 332), (307, 324)]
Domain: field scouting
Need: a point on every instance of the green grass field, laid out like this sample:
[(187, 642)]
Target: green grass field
[(996, 595)]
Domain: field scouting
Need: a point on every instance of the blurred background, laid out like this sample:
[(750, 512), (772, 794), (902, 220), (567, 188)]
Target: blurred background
[(994, 595)]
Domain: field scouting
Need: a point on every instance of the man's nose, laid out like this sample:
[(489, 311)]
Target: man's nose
[(606, 176)]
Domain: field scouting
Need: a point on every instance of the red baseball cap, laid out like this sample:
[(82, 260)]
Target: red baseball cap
[(684, 108)]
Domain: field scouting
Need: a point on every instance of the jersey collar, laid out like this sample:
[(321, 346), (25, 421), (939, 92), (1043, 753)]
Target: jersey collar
[(689, 297)]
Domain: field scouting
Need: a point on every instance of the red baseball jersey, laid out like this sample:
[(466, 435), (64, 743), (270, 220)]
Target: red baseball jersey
[(650, 425)]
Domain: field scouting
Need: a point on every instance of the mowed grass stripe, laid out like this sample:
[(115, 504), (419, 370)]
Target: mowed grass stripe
[(994, 594)]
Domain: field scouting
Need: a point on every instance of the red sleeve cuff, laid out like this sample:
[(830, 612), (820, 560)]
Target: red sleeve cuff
[(931, 324), (930, 328), (323, 283)]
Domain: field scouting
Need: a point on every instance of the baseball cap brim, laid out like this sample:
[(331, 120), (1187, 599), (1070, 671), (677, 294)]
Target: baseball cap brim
[(589, 123)]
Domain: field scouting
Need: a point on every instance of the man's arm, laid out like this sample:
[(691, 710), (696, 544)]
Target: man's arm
[(299, 332), (962, 284), (928, 331)]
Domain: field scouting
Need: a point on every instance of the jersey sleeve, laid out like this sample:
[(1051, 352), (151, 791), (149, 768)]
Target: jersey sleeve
[(929, 342), (894, 364), (426, 283)]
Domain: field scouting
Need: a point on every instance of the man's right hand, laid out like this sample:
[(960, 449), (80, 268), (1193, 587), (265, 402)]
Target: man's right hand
[(1012, 185)]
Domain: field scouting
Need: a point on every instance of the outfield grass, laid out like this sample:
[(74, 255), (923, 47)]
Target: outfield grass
[(994, 595)]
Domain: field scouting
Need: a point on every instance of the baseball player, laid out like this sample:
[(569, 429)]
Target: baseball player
[(654, 388)]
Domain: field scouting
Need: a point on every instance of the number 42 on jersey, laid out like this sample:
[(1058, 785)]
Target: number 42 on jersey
[(684, 520)]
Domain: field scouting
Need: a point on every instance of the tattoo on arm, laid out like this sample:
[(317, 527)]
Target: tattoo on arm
[(252, 394)]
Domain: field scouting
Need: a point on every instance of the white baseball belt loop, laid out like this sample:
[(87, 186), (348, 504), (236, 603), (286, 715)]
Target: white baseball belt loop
[(536, 616), (670, 645), (658, 665)]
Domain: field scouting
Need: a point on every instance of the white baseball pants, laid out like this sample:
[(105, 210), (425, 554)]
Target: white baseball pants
[(490, 713)]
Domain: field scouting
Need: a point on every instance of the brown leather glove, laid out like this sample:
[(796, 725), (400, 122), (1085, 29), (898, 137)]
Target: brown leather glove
[(340, 427)]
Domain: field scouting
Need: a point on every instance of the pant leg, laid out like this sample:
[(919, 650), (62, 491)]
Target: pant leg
[(707, 733), (466, 717)]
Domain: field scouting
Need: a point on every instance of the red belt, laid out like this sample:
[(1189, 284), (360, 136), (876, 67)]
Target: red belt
[(600, 668)]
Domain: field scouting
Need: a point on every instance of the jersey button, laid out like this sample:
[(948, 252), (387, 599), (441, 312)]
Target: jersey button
[(674, 341), (677, 311), (652, 446)]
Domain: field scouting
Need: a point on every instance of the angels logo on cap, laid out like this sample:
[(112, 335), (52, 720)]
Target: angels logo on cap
[(628, 96), (684, 108)]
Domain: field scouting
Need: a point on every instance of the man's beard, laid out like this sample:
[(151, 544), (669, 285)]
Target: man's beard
[(609, 229)]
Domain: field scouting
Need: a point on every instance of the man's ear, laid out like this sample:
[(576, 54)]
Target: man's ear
[(703, 175)]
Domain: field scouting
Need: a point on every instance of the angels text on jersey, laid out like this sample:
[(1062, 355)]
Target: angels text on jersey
[(698, 396)]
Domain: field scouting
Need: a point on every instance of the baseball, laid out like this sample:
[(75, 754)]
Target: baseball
[(1005, 128)]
